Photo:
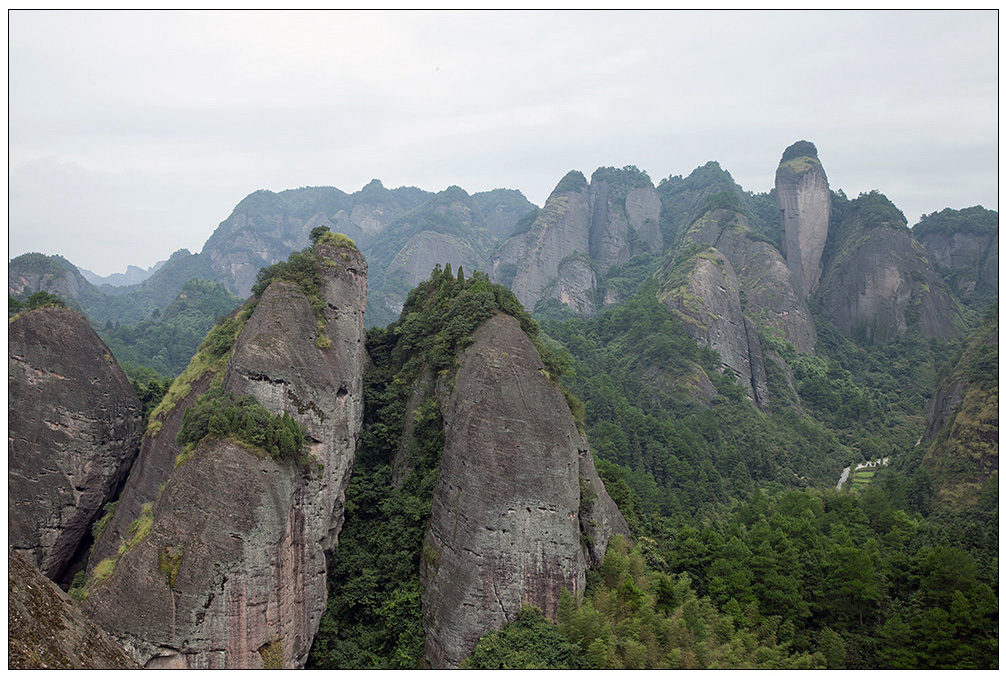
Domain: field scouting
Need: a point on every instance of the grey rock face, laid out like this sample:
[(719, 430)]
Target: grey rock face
[(878, 281), (232, 573), (642, 208), (505, 524), (596, 221), (979, 254), (575, 286), (769, 288), (74, 429), (805, 206), (561, 229), (709, 305)]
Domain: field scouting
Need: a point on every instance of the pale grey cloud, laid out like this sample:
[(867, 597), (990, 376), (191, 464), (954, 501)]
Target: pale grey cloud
[(150, 126)]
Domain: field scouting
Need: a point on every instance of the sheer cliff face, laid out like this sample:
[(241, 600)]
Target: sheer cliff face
[(710, 308), (805, 206), (879, 281), (74, 428), (561, 229), (605, 223), (974, 255), (505, 523), (232, 572), (771, 292)]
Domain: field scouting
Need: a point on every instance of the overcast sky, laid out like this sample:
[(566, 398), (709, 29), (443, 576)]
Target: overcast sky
[(133, 134)]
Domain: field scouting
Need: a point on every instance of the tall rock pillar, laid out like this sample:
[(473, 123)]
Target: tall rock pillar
[(801, 189)]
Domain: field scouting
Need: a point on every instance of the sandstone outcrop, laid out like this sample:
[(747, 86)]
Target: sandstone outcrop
[(801, 189), (963, 246), (225, 568), (878, 281), (575, 286), (74, 428), (704, 292), (608, 221), (508, 506), (45, 630), (770, 290), (561, 229)]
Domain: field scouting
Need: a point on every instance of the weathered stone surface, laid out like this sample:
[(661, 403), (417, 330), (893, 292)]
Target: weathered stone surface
[(977, 254), (801, 189), (770, 291), (505, 524), (609, 228), (575, 286), (561, 229), (45, 630), (709, 305), (642, 208), (425, 250), (73, 432), (149, 472), (599, 517), (878, 281), (245, 535)]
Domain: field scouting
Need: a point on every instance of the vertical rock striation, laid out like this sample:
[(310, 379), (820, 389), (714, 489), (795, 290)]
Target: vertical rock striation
[(804, 200), (231, 570), (878, 281), (73, 431), (505, 524)]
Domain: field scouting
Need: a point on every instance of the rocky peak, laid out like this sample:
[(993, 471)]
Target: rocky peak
[(805, 207), (878, 281), (505, 524), (561, 229), (74, 428), (239, 582)]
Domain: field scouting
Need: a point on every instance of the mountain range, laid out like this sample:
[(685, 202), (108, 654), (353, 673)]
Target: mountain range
[(453, 430)]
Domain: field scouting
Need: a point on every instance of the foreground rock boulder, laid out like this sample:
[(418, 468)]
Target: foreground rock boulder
[(225, 566), (514, 479), (45, 630), (74, 425)]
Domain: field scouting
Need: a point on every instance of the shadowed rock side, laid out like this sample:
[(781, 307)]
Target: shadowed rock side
[(232, 572), (45, 630), (575, 286), (609, 222), (964, 422), (973, 256), (804, 200), (74, 428), (151, 469), (504, 529)]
